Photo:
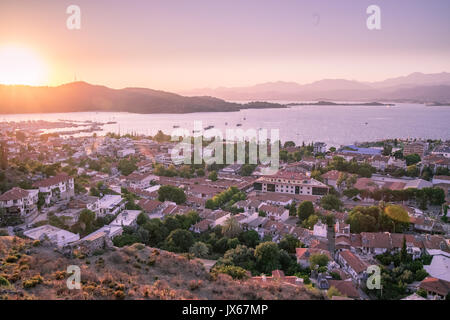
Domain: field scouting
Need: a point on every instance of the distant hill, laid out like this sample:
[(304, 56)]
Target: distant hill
[(417, 86), (81, 97)]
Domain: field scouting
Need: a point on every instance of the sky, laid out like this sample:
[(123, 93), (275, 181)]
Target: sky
[(186, 44)]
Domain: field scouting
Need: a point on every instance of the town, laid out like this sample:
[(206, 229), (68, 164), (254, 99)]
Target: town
[(318, 223)]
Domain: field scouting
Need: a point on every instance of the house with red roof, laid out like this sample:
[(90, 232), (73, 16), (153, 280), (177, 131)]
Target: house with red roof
[(59, 187), (19, 201), (352, 264), (436, 288)]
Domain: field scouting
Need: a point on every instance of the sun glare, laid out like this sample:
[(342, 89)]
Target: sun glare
[(19, 65)]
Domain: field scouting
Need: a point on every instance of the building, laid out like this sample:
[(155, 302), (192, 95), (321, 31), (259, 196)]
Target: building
[(415, 148), (436, 289), (140, 180), (59, 187), (273, 212), (320, 147), (111, 205), (290, 182), (443, 150), (125, 152), (441, 179), (440, 266), (320, 230), (19, 201), (127, 218), (352, 264), (58, 237), (331, 178), (231, 169)]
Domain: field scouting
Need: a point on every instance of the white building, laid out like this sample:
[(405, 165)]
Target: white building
[(125, 152), (19, 201), (126, 218), (320, 230), (440, 265), (290, 182), (57, 236), (56, 188), (111, 204)]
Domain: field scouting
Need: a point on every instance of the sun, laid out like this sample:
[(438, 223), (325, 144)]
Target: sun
[(20, 65)]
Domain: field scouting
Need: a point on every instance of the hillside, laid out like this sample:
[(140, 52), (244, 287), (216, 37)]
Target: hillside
[(414, 87), (135, 272), (83, 97)]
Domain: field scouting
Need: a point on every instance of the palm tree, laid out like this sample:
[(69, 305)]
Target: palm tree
[(231, 228)]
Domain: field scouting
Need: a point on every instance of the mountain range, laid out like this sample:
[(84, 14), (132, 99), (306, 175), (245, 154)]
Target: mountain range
[(82, 96), (416, 87)]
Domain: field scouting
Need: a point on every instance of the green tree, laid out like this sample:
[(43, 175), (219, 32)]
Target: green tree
[(318, 259), (231, 228), (331, 202), (171, 193), (289, 243), (199, 249), (305, 209), (267, 256), (250, 238), (412, 159), (212, 176), (180, 240)]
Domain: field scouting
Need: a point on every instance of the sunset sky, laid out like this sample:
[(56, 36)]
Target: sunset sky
[(180, 45)]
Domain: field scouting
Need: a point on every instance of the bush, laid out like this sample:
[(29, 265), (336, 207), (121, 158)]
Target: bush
[(4, 282), (233, 271)]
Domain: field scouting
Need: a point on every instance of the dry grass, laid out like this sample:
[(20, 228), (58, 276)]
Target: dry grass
[(134, 272)]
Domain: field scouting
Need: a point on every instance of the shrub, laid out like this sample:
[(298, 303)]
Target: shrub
[(4, 282)]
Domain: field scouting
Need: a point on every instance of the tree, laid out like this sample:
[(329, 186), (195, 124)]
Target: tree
[(231, 228), (412, 159), (310, 222), (267, 256), (318, 259), (233, 271), (331, 202), (157, 231), (126, 167), (289, 243), (404, 252), (199, 249), (171, 193), (212, 176), (305, 209), (250, 238), (180, 240)]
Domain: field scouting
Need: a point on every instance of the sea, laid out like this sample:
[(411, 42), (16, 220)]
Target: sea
[(334, 125)]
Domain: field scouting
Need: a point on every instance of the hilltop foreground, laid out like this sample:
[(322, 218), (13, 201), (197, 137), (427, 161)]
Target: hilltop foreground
[(31, 270)]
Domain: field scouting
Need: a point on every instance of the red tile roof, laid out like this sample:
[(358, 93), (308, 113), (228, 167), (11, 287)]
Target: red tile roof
[(62, 177), (14, 194), (435, 285), (353, 261)]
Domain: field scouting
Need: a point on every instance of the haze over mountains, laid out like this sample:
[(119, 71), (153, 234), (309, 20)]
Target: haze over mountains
[(82, 97), (417, 87)]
